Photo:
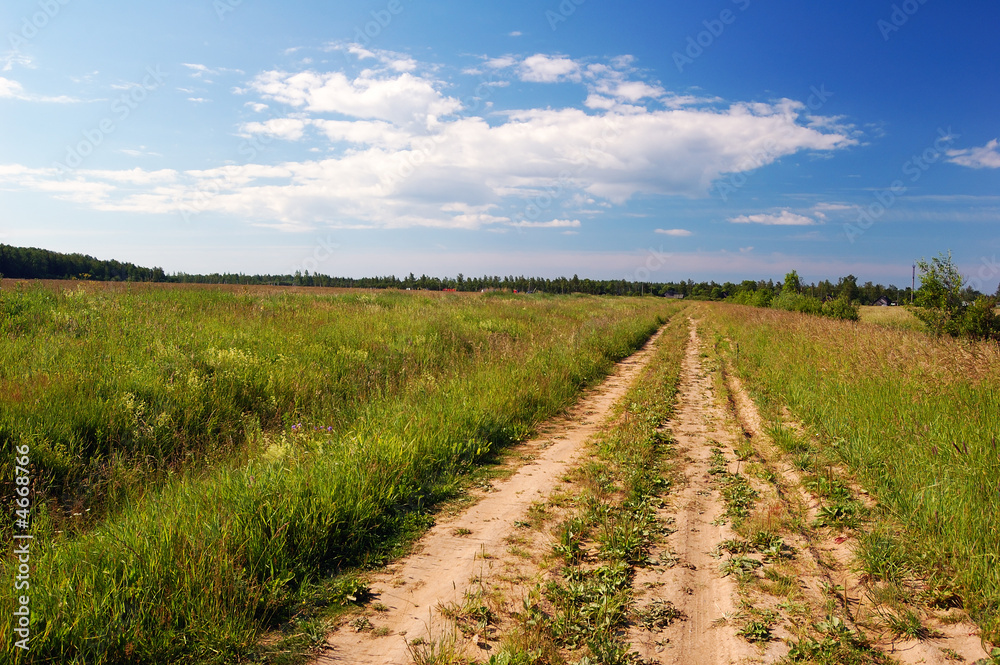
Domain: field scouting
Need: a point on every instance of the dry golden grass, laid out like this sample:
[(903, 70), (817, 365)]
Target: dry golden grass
[(891, 317)]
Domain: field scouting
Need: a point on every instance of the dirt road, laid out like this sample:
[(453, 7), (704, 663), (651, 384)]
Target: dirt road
[(741, 595), (694, 585)]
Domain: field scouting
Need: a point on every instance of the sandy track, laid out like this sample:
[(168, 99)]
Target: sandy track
[(439, 572), (694, 585)]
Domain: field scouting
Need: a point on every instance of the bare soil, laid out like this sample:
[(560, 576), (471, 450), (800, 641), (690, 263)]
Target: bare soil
[(694, 585)]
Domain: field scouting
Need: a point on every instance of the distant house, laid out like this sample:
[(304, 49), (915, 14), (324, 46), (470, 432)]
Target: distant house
[(673, 294), (883, 302)]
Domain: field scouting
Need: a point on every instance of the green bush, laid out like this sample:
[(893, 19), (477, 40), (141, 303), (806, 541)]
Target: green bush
[(796, 302), (761, 298), (841, 308), (979, 320)]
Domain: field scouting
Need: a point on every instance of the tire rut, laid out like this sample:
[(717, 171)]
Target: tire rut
[(694, 584)]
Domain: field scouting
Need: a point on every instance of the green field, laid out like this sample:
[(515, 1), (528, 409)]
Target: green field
[(205, 462), (208, 465), (915, 418)]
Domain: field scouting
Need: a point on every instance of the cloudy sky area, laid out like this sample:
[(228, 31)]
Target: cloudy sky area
[(723, 139)]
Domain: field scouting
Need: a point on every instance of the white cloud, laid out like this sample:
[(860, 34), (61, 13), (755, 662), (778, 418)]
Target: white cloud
[(598, 102), (11, 89), (501, 63), (365, 132), (290, 129), (985, 157), (198, 100), (134, 176), (399, 62), (783, 218), (140, 152), (200, 71), (396, 151), (11, 58), (833, 207), (633, 91), (394, 177), (197, 69), (515, 33), (541, 68), (823, 210), (677, 233), (400, 98), (554, 224), (610, 85)]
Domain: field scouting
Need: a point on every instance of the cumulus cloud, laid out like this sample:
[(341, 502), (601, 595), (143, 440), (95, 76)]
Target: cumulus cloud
[(541, 68), (402, 98), (783, 218), (677, 233), (398, 151), (985, 157)]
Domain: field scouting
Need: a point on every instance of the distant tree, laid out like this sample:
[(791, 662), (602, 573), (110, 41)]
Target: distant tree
[(847, 287), (939, 297), (869, 293), (792, 283)]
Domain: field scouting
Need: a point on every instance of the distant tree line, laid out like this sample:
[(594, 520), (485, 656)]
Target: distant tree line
[(793, 297), (34, 263)]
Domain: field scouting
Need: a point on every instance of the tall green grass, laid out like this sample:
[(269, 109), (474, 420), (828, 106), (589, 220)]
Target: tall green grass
[(916, 418), (329, 424)]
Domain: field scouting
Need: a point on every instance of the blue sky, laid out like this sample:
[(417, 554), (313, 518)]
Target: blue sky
[(657, 141)]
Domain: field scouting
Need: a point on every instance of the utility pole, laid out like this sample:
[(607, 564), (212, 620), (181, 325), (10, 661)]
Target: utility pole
[(913, 282)]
